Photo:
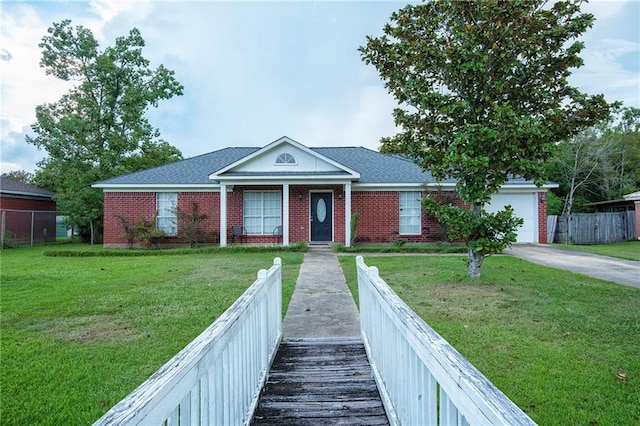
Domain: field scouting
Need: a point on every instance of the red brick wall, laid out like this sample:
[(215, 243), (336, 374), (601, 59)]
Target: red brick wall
[(542, 218), (379, 214), (132, 206), (339, 231), (299, 213), (380, 217), (208, 203), (637, 204)]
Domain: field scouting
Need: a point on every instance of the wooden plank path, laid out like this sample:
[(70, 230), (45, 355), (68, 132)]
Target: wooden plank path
[(320, 381)]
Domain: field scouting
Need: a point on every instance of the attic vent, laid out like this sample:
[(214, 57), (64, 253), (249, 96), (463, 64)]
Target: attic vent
[(286, 158)]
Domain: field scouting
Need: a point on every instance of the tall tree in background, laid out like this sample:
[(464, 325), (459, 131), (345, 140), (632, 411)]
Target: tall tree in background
[(602, 163), (483, 96), (19, 175), (620, 172), (98, 129), (577, 162)]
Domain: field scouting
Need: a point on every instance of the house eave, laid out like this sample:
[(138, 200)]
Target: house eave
[(519, 187), (285, 179), (389, 186), (27, 195), (212, 187)]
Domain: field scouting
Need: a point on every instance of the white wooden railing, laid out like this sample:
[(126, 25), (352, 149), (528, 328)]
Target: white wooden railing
[(217, 378), (422, 379)]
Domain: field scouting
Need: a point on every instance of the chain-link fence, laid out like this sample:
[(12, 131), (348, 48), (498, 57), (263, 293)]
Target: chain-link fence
[(19, 227)]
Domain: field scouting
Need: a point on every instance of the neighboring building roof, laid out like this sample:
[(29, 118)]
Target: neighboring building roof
[(634, 196), (612, 205), (16, 188)]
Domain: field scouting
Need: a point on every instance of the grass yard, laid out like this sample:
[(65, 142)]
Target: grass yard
[(80, 333), (565, 348), (629, 250)]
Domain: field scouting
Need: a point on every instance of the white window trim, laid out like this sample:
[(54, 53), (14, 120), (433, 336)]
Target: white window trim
[(400, 212), (171, 215), (288, 163), (262, 215)]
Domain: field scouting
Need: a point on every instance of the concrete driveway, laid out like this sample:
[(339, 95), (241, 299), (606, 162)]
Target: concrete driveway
[(626, 272)]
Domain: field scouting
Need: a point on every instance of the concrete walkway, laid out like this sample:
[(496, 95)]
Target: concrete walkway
[(626, 272), (321, 304)]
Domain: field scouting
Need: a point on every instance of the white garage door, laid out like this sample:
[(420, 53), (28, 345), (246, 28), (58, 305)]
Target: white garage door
[(524, 206)]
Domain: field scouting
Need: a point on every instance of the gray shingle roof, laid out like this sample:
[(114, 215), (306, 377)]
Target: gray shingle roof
[(191, 171), (374, 168), (10, 186)]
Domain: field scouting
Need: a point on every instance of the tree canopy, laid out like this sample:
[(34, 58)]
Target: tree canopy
[(483, 96), (99, 128), (602, 163), (19, 175)]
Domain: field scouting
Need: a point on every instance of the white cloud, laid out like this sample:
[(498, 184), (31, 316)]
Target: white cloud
[(604, 71), (603, 9), (255, 71), (360, 121), (24, 84)]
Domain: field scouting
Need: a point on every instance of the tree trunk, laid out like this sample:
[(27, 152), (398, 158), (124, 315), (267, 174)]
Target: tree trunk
[(474, 263)]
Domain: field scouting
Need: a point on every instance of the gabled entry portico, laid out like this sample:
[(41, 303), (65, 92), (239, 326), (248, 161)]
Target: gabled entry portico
[(313, 194)]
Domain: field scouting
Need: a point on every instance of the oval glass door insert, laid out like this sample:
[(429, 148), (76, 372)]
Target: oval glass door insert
[(321, 210)]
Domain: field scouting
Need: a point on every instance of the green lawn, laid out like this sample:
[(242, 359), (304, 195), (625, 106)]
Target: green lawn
[(553, 341), (629, 250), (80, 333)]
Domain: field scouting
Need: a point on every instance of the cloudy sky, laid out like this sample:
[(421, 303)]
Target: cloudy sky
[(256, 71)]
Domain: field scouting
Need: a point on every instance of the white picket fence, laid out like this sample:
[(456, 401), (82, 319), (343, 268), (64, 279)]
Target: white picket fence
[(422, 379), (217, 378)]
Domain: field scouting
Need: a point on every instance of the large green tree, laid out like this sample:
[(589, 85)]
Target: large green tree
[(483, 96), (99, 128), (602, 163)]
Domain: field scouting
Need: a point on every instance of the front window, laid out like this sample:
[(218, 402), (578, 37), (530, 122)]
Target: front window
[(410, 212), (167, 218), (261, 211)]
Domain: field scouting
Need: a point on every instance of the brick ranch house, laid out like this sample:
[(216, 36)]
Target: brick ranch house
[(286, 193), (27, 213)]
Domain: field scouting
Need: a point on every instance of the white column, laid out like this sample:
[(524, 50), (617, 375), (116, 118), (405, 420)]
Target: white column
[(223, 215), (347, 214), (285, 214)]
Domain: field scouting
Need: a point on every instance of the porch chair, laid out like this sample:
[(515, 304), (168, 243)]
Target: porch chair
[(239, 232), (277, 232)]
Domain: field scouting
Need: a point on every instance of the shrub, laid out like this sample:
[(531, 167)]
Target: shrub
[(6, 240), (399, 242), (355, 217), (147, 233), (190, 225), (129, 230)]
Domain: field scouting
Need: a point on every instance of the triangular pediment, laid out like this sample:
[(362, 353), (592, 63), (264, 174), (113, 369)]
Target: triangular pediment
[(284, 157)]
